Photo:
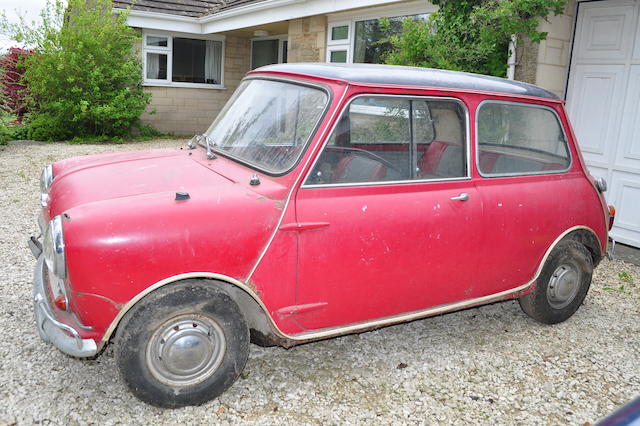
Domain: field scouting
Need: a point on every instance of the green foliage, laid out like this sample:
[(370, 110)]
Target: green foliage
[(19, 132), (5, 134), (85, 77), (469, 35)]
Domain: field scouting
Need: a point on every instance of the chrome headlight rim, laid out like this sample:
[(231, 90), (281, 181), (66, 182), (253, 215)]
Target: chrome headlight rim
[(46, 178), (54, 248)]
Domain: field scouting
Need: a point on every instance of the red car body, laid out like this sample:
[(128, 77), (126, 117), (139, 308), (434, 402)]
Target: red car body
[(305, 261)]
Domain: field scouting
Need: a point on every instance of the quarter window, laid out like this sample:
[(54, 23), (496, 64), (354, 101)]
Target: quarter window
[(380, 139), (518, 139)]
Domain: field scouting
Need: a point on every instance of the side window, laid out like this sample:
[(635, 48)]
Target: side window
[(520, 139), (380, 139)]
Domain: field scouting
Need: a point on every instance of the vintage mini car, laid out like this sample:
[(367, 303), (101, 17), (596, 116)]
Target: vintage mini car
[(323, 200)]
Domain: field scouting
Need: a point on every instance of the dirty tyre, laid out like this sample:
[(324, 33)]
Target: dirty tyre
[(182, 345), (562, 284)]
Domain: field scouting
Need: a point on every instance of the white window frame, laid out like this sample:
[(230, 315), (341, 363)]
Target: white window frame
[(281, 37), (340, 45), (169, 52), (350, 19)]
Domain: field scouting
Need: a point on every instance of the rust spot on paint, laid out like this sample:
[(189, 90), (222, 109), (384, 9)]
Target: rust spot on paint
[(253, 287)]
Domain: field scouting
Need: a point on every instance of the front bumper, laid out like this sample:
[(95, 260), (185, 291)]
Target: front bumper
[(62, 336)]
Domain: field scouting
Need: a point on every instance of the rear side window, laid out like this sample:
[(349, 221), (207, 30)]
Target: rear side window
[(516, 139)]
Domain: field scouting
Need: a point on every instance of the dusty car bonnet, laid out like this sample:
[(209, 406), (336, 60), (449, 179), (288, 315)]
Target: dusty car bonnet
[(107, 177)]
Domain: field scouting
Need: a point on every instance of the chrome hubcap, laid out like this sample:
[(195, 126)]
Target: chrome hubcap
[(186, 350), (563, 286)]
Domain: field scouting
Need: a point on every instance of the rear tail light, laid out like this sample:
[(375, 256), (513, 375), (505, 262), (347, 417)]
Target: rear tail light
[(612, 215)]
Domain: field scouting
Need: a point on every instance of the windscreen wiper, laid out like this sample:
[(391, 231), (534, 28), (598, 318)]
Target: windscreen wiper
[(210, 144)]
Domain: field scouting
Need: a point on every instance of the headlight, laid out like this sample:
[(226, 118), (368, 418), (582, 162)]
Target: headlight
[(45, 183), (46, 178), (53, 248)]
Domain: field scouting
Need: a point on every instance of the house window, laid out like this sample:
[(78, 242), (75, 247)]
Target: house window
[(360, 40), (268, 50), (368, 46), (175, 60)]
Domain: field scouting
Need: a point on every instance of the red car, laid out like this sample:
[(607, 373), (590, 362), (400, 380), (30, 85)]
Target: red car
[(323, 200)]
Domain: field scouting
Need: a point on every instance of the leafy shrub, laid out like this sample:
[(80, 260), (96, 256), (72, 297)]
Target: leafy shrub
[(5, 134), (84, 77), (469, 35), (12, 67), (19, 132)]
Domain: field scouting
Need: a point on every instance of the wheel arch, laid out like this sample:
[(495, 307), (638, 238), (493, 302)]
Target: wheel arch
[(588, 238), (263, 330)]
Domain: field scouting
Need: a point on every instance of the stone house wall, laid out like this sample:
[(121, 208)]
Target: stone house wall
[(186, 111), (553, 55), (307, 39)]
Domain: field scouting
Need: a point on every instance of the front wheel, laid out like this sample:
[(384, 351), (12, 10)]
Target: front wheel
[(562, 284), (182, 345)]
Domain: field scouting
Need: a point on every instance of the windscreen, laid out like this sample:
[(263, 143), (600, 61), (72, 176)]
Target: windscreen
[(267, 123)]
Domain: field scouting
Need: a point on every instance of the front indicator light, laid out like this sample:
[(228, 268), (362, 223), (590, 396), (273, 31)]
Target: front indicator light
[(61, 302), (612, 215)]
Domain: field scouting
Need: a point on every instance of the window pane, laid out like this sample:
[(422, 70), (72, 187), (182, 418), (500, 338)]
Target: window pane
[(268, 123), (340, 33), (157, 41), (440, 134), (196, 61), (371, 143), (156, 66), (339, 56), (264, 52), (285, 51), (367, 46), (516, 139)]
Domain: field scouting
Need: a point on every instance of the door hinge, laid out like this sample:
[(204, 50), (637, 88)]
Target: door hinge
[(296, 226), (290, 310)]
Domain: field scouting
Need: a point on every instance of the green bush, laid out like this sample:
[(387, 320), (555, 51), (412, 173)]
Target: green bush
[(5, 134), (85, 76), (19, 132), (469, 35)]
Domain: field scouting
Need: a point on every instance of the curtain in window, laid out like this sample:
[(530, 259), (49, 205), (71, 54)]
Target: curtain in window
[(212, 61), (153, 65)]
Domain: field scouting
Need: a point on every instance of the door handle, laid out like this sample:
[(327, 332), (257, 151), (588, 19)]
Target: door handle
[(462, 197)]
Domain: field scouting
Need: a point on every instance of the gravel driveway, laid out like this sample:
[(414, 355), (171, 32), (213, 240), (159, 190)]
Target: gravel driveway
[(485, 365)]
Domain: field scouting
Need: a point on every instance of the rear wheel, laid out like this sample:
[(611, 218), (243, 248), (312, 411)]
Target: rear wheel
[(562, 284), (182, 345)]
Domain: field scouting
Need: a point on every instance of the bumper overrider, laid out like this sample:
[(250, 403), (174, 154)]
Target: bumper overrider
[(62, 336)]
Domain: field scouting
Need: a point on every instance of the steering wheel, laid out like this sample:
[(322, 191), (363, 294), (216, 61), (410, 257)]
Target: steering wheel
[(369, 154)]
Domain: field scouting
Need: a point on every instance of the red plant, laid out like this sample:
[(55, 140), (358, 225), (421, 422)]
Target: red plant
[(12, 67)]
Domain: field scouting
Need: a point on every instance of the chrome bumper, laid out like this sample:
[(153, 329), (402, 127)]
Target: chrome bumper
[(62, 336)]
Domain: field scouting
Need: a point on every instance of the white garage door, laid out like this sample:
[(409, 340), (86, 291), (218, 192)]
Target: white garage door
[(603, 99)]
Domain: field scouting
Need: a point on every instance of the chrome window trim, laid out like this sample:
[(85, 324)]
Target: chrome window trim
[(524, 104), (395, 182), (324, 88)]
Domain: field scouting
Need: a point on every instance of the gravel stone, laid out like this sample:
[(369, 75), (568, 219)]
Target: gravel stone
[(490, 364)]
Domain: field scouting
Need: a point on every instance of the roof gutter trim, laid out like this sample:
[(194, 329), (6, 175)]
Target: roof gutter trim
[(243, 10), (263, 12)]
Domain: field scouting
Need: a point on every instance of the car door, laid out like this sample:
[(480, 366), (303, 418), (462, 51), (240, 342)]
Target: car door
[(389, 218), (530, 191)]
